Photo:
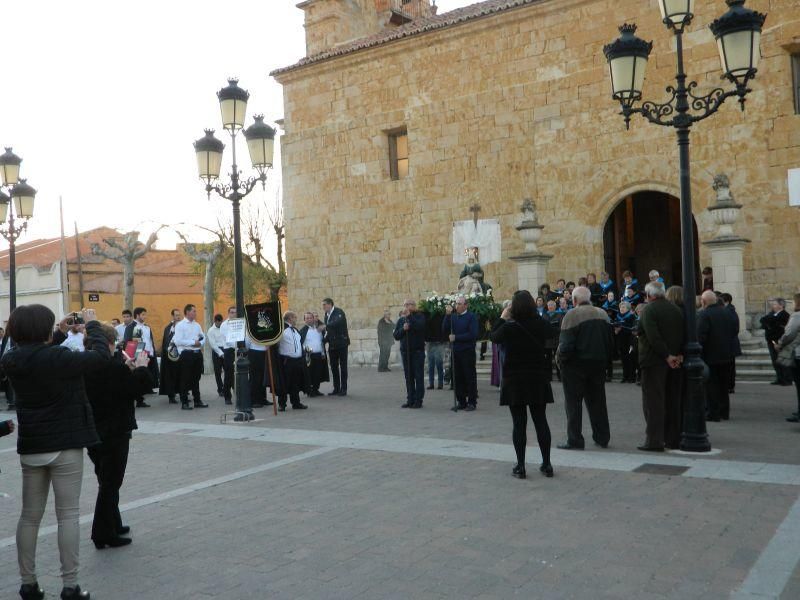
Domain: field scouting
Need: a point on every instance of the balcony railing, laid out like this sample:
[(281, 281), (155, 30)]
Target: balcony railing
[(404, 11)]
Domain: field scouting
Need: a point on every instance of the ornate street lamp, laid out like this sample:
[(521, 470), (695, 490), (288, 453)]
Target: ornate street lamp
[(738, 34), (14, 205), (208, 149)]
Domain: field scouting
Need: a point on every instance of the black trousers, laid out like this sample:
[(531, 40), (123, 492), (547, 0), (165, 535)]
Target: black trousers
[(415, 376), (796, 377), (585, 384), (293, 370), (228, 366), (338, 360), (110, 460), (519, 417), (190, 366), (625, 351), (258, 388), (718, 402), (465, 377), (218, 362)]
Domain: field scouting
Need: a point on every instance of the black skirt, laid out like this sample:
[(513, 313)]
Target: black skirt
[(522, 391)]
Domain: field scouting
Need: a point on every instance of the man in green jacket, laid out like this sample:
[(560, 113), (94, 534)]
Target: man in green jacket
[(661, 338)]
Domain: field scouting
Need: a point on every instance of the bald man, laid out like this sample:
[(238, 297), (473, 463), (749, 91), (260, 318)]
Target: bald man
[(716, 327)]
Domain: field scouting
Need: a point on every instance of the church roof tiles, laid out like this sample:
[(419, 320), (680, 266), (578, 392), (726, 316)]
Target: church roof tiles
[(416, 27)]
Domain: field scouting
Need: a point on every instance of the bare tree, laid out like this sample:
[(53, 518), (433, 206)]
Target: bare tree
[(126, 250), (208, 255)]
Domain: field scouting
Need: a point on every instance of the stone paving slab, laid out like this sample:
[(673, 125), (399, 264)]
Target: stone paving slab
[(366, 524)]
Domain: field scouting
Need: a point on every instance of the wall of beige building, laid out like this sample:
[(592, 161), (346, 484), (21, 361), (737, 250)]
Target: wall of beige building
[(512, 106)]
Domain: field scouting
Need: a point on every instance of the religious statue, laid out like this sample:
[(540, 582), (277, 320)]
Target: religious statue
[(471, 278)]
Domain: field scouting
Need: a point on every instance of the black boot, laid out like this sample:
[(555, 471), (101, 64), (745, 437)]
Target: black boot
[(31, 591), (74, 594)]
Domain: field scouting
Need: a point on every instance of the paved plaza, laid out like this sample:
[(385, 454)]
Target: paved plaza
[(356, 498)]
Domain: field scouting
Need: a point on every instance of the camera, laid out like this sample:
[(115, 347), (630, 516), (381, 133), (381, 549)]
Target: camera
[(77, 318)]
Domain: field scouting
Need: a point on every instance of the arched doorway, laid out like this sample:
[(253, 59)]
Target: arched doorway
[(644, 232)]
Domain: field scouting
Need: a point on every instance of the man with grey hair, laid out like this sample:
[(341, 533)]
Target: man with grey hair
[(661, 339), (291, 360), (584, 349), (774, 324), (715, 329), (462, 329)]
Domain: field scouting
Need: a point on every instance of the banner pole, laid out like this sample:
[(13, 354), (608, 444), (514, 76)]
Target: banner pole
[(271, 381)]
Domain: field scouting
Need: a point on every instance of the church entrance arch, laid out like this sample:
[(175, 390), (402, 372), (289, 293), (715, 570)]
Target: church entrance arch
[(642, 233)]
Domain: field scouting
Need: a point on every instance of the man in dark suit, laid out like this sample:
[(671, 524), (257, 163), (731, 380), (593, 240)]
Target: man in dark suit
[(410, 331), (337, 338), (774, 324), (462, 329), (660, 344), (169, 375), (715, 328)]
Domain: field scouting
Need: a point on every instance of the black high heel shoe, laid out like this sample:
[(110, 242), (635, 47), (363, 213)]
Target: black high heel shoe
[(518, 471), (74, 594), (546, 469), (112, 543), (31, 591)]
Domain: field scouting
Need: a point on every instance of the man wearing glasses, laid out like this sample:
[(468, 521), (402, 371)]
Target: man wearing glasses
[(462, 329)]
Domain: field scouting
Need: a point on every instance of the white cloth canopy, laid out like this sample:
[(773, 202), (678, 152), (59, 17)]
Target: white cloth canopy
[(485, 237)]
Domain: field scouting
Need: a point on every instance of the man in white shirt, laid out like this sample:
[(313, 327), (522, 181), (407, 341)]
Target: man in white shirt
[(127, 317), (137, 329), (312, 337), (189, 340), (74, 339), (217, 344), (291, 357), (228, 356)]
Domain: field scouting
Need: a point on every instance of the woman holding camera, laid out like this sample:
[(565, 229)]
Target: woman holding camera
[(113, 392), (55, 425), (526, 375)]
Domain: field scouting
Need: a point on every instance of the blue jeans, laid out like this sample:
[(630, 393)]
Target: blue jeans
[(435, 362), (415, 376)]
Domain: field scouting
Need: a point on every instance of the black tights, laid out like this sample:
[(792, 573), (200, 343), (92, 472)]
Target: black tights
[(520, 437)]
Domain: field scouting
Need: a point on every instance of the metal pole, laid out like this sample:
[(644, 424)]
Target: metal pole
[(12, 260), (242, 367), (694, 437)]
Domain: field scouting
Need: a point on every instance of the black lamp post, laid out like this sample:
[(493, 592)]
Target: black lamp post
[(738, 34), (18, 201), (260, 143)]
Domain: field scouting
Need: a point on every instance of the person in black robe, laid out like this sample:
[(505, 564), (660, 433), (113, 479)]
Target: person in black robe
[(316, 362), (169, 376)]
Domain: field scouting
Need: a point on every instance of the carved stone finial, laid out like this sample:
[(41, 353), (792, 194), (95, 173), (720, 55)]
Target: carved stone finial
[(529, 214), (722, 186)]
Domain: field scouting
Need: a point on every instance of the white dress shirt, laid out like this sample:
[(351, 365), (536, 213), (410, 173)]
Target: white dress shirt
[(314, 340), (186, 334), (146, 337), (252, 345), (290, 343), (216, 339), (223, 329), (120, 331), (74, 341)]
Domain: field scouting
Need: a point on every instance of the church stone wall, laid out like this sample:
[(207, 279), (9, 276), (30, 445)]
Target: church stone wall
[(512, 106)]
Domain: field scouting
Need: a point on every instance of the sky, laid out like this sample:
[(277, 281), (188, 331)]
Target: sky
[(107, 98)]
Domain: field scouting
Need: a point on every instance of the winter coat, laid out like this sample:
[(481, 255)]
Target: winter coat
[(53, 411)]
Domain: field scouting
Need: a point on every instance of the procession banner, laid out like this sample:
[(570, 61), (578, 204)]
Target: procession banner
[(264, 322)]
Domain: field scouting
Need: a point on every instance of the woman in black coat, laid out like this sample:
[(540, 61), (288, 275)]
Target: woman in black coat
[(55, 425), (526, 375), (112, 392)]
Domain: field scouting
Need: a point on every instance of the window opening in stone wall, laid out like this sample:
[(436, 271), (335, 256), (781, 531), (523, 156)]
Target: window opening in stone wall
[(796, 81), (398, 154)]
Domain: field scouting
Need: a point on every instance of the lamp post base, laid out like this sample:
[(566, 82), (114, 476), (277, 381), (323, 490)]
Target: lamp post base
[(244, 409), (694, 437)]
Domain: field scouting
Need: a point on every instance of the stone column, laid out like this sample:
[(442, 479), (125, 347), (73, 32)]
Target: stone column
[(727, 248), (531, 264)]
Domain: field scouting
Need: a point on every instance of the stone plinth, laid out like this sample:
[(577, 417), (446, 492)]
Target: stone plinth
[(727, 261), (531, 271)]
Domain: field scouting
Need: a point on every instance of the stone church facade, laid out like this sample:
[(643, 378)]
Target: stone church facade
[(400, 119)]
